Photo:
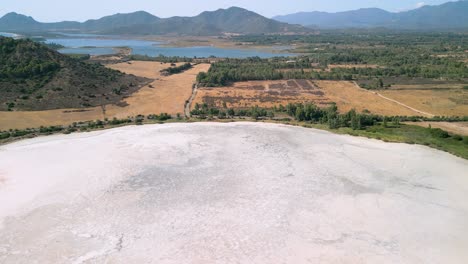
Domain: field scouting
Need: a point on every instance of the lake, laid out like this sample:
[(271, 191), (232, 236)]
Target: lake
[(81, 44)]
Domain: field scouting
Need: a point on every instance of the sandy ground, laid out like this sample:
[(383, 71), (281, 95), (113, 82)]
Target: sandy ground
[(229, 193), (168, 94)]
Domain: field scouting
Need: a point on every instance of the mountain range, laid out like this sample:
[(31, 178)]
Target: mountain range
[(232, 20), (451, 15)]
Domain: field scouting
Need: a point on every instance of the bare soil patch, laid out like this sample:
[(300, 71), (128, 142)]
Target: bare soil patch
[(262, 93)]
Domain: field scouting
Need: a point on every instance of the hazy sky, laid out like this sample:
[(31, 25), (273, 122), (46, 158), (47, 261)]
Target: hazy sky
[(80, 10)]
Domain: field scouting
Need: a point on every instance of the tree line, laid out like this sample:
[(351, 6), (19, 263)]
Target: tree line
[(177, 69)]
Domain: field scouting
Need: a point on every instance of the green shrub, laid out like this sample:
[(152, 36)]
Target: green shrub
[(465, 140), (439, 133), (4, 135)]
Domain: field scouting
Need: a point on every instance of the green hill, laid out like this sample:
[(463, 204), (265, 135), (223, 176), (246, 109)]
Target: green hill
[(34, 77), (119, 20)]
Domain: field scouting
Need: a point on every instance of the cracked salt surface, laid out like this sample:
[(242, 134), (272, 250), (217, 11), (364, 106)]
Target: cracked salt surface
[(229, 193)]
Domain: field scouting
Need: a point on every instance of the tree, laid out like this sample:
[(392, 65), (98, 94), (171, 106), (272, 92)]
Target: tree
[(300, 114), (384, 124), (270, 114), (396, 121), (356, 122), (333, 123), (332, 111), (380, 83)]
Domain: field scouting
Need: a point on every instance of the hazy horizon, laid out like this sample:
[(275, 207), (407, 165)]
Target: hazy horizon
[(80, 11)]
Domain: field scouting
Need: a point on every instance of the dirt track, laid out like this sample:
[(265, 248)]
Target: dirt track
[(416, 111), (189, 102)]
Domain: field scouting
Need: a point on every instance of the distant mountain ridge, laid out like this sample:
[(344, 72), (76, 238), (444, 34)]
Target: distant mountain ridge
[(120, 20), (451, 15), (231, 20)]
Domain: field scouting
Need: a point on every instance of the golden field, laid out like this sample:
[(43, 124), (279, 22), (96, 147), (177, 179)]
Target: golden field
[(439, 102), (346, 95)]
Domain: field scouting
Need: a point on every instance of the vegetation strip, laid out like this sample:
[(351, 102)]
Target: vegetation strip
[(176, 69), (389, 129)]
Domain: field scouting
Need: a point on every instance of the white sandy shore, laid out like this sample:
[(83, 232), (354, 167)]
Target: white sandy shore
[(229, 193)]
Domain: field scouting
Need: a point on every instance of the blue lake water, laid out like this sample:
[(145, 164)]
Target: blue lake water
[(102, 46)]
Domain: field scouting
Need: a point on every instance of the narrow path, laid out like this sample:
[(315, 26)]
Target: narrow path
[(407, 106), (188, 103), (397, 102)]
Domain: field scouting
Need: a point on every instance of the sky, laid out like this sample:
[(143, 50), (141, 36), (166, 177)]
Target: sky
[(81, 10)]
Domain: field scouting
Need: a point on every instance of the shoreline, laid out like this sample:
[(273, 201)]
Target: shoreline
[(194, 42), (364, 134)]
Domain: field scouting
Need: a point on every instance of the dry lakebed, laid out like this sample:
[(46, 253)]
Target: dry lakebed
[(229, 193)]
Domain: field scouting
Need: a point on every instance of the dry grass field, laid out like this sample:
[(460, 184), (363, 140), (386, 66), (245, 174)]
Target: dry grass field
[(347, 95), (270, 93), (261, 93), (148, 69), (165, 94), (439, 102)]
